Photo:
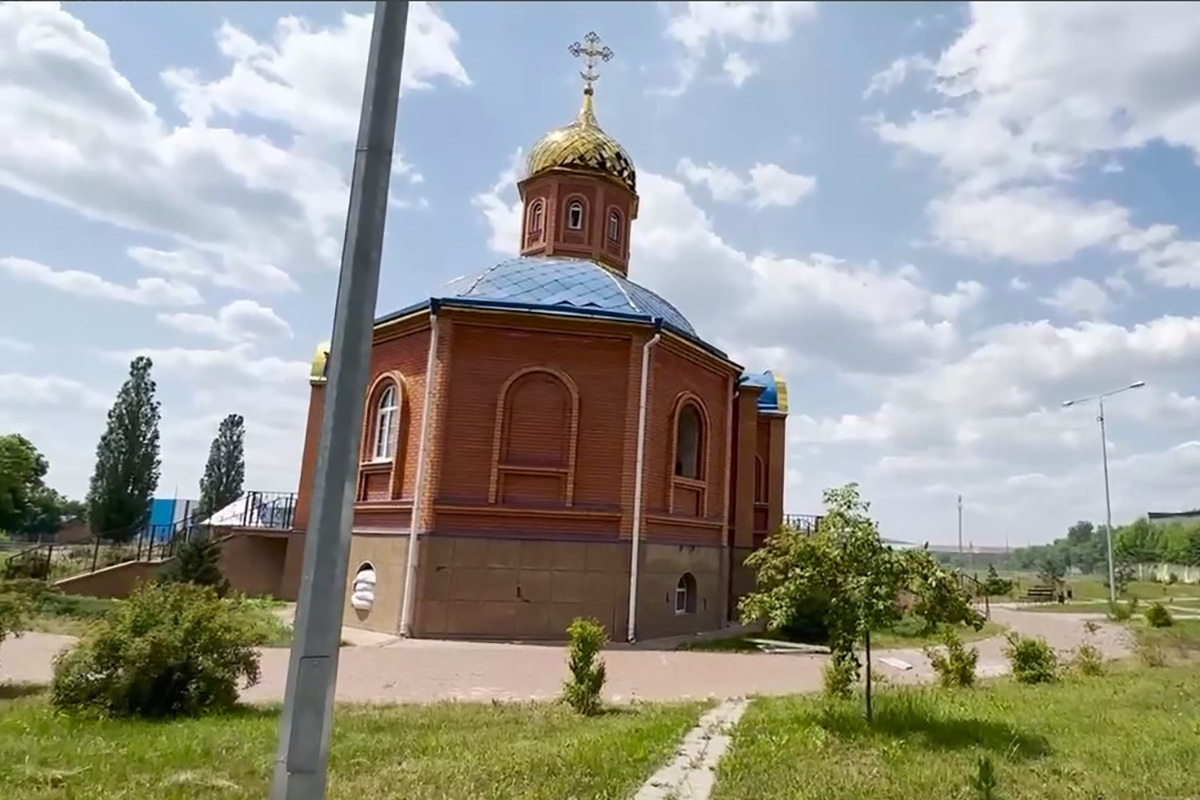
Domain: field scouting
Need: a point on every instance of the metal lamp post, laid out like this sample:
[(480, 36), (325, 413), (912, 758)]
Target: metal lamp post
[(1108, 535), (307, 720)]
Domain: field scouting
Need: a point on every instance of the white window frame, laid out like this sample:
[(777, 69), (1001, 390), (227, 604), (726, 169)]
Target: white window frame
[(572, 223), (387, 424), (537, 219), (682, 595), (614, 226)]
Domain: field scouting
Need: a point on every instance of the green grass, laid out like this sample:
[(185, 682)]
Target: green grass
[(1181, 640), (73, 615), (907, 633), (442, 752), (1126, 734)]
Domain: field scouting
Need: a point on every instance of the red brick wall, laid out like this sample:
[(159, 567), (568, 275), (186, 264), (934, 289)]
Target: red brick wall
[(600, 198)]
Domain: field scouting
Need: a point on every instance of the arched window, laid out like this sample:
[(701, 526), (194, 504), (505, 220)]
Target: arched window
[(614, 226), (685, 594), (575, 215), (537, 217), (689, 433), (537, 420), (387, 424), (760, 484)]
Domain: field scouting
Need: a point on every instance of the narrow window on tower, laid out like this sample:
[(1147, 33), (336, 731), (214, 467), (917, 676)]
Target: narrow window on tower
[(575, 215), (537, 217), (614, 226)]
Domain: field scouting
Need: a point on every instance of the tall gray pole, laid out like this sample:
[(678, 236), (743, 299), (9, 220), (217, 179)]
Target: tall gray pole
[(307, 721), (960, 547), (1108, 533)]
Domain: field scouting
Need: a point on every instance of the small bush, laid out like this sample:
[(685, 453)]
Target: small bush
[(1151, 654), (840, 675), (954, 663), (583, 688), (197, 561), (1090, 626), (1087, 660), (169, 650), (18, 598), (1032, 659), (1159, 616), (1122, 612), (984, 781)]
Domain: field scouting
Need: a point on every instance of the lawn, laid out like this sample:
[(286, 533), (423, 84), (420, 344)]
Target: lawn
[(1180, 640), (906, 634), (441, 752), (1127, 734), (73, 615)]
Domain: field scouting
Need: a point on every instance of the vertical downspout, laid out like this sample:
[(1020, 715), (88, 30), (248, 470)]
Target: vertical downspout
[(638, 478), (418, 507), (726, 551)]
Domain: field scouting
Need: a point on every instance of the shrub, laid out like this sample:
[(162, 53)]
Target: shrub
[(1032, 659), (840, 675), (18, 599), (197, 561), (954, 663), (170, 650), (1159, 616), (1151, 654), (1087, 660), (582, 689), (1122, 612)]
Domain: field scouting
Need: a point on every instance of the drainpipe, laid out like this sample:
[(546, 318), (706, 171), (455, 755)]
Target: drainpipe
[(638, 479), (730, 458), (418, 506)]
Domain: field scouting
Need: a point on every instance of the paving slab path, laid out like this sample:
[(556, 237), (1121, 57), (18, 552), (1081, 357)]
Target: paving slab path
[(423, 670)]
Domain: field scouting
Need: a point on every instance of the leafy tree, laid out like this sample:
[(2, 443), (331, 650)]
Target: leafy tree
[(846, 566), (226, 467), (197, 561), (1051, 571), (22, 470), (127, 458), (994, 585)]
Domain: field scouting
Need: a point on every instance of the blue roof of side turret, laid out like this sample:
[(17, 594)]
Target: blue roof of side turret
[(774, 394)]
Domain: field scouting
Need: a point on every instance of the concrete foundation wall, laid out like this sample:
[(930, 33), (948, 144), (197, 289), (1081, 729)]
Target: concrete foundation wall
[(117, 581), (388, 555)]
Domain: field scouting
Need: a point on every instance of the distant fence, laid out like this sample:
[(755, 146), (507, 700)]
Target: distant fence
[(1162, 573), (53, 560)]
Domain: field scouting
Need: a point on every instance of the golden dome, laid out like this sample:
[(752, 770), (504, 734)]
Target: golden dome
[(583, 145)]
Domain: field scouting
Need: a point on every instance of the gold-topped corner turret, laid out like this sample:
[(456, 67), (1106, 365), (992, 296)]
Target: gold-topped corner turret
[(320, 363), (583, 145)]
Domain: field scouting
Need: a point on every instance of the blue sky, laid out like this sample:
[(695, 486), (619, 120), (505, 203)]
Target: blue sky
[(938, 220)]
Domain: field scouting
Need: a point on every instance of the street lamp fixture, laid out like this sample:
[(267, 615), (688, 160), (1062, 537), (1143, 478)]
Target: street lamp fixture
[(1099, 398)]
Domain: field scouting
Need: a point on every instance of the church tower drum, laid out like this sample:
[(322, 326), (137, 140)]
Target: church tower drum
[(580, 189)]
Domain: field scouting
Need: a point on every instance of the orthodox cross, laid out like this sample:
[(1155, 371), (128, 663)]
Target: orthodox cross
[(592, 51)]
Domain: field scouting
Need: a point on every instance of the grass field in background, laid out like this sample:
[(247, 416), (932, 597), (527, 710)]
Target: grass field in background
[(907, 633), (1129, 734), (440, 752)]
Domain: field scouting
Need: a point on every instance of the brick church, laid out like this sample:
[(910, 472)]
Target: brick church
[(548, 439)]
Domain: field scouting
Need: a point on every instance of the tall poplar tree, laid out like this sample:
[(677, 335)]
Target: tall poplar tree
[(127, 458), (226, 467)]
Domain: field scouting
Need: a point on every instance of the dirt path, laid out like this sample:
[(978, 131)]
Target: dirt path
[(426, 670)]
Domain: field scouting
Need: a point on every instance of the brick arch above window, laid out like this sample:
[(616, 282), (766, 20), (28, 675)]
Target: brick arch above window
[(614, 225), (535, 439), (535, 223), (384, 439), (689, 467)]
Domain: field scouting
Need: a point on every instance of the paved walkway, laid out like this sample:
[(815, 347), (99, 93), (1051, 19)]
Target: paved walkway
[(421, 670)]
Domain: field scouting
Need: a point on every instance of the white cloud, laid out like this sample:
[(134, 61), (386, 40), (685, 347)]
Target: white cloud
[(189, 264), (1080, 297), (15, 345), (48, 391), (1018, 284), (241, 320), (81, 136), (146, 291), (697, 26), (1032, 94), (233, 365), (738, 69), (766, 185), (895, 74)]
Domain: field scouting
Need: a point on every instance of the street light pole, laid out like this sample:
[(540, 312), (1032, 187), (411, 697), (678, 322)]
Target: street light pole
[(307, 720), (1108, 531)]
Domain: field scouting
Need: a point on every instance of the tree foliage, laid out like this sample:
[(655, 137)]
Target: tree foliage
[(197, 561), (127, 458), (226, 467), (846, 566), (994, 585), (27, 505)]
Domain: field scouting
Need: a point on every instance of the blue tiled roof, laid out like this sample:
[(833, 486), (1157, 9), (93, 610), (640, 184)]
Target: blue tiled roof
[(769, 399), (578, 284)]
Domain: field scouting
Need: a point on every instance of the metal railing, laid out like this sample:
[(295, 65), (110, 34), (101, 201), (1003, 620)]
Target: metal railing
[(802, 522), (272, 510), (51, 560)]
